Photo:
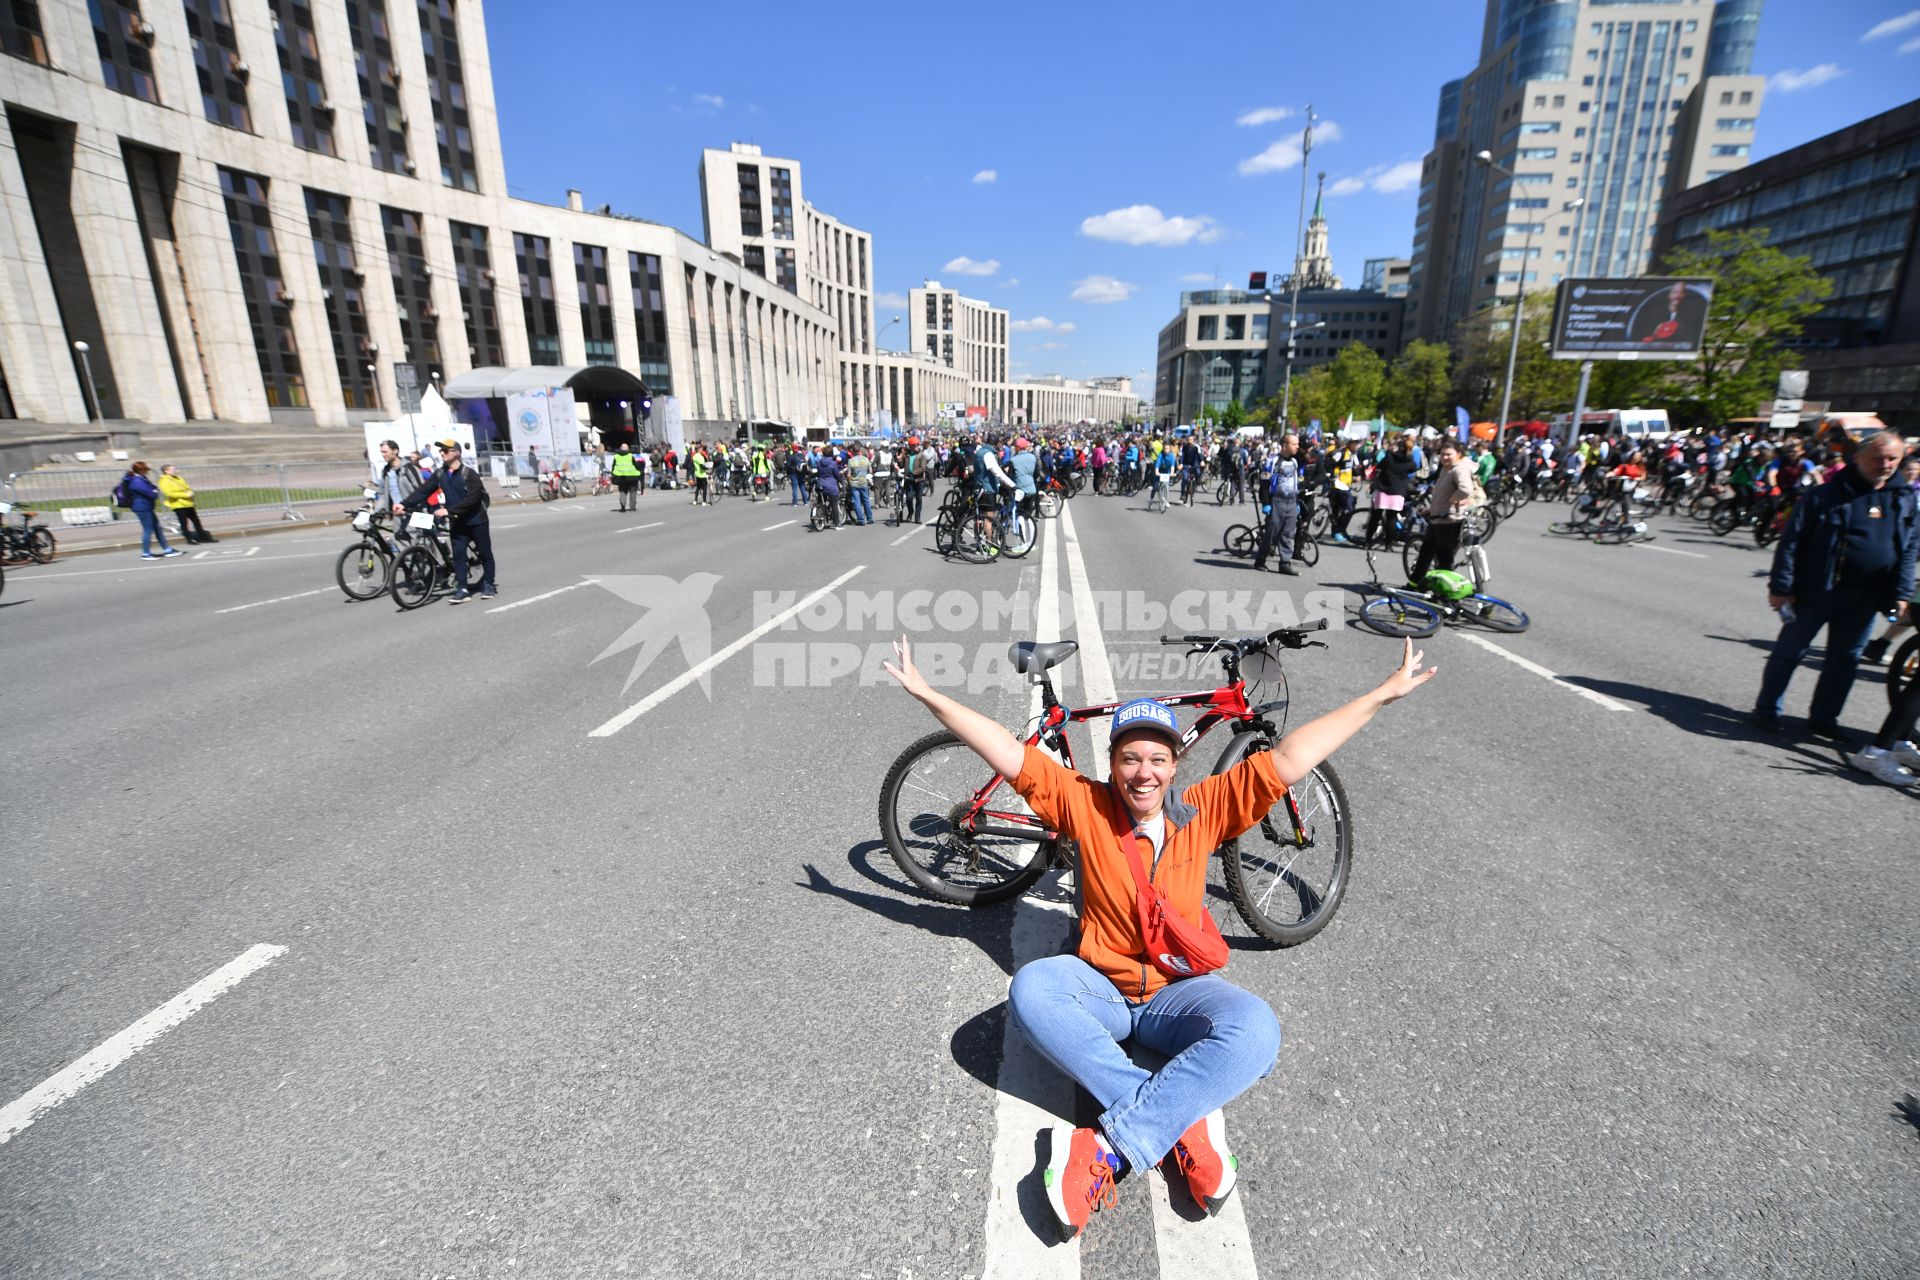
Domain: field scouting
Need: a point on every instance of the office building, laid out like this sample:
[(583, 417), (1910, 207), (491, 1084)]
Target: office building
[(1214, 352), (1615, 104), (1386, 275), (1846, 202), (962, 333)]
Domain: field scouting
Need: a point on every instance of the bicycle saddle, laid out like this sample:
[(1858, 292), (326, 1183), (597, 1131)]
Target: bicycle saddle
[(1030, 656)]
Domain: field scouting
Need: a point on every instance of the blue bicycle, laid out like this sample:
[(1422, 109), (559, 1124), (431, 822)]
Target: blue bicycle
[(1445, 596)]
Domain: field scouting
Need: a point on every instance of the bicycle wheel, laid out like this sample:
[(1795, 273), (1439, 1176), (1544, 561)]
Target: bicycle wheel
[(1289, 872), (816, 518), (1903, 669), (414, 578), (547, 493), (1569, 529), (476, 571), (1723, 518), (953, 842), (1478, 525), (1222, 493), (362, 570), (1016, 534), (1306, 549), (1049, 504), (1496, 614), (40, 546), (1400, 616), (1241, 540), (566, 486)]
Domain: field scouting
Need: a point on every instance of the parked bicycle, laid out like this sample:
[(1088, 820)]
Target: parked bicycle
[(556, 484), (21, 538), (1445, 596), (1242, 541), (969, 840)]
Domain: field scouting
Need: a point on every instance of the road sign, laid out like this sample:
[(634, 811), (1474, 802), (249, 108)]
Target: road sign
[(1786, 413)]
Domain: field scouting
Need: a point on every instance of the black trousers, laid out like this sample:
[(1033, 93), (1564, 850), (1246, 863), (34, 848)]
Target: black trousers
[(474, 534), (1438, 548), (190, 527)]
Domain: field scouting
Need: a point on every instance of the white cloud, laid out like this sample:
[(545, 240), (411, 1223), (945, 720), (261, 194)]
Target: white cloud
[(1144, 224), (1262, 115), (1790, 80), (1013, 283), (1285, 153), (889, 299), (1197, 277), (1065, 326), (713, 100), (987, 175), (1385, 178), (1911, 46), (1040, 324), (1893, 26), (1102, 289), (1053, 346), (964, 266)]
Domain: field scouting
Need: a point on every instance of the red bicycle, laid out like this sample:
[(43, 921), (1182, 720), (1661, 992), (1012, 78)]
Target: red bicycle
[(969, 842)]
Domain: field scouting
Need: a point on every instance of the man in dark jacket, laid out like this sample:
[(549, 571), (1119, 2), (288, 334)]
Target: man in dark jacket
[(1846, 554), (466, 499)]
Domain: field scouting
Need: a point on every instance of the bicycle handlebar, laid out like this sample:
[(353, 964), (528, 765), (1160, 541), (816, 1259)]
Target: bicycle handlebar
[(1291, 637)]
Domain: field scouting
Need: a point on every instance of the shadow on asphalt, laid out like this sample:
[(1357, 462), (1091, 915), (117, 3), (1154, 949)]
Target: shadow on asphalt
[(988, 928), (1908, 1109), (1753, 642), (1682, 710)]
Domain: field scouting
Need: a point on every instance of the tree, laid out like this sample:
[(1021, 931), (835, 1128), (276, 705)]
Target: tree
[(1350, 385), (1419, 387), (1761, 298), (1233, 417)]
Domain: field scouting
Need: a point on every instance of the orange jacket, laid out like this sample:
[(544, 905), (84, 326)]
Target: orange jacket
[(1092, 813)]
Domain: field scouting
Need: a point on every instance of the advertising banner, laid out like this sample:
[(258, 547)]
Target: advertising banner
[(673, 430), (1644, 318)]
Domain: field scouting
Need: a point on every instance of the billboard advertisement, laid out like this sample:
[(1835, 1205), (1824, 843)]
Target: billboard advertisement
[(1642, 318)]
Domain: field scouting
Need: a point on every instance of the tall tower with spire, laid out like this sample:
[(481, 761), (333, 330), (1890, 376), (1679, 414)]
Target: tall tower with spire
[(1313, 269)]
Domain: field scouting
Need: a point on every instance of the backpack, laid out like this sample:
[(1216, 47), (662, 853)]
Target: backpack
[(123, 492), (1476, 496)]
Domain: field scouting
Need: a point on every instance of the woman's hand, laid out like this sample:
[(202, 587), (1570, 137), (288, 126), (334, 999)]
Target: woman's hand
[(1409, 677), (906, 673)]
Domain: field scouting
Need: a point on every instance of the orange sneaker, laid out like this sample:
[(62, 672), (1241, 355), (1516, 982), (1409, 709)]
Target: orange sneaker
[(1079, 1176), (1210, 1166)]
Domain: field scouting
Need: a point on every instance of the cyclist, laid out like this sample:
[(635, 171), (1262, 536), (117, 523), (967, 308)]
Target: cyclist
[(1130, 462), (699, 464), (1164, 465), (1454, 492), (1190, 466), (1025, 470), (1077, 1009), (1280, 497), (826, 483), (465, 495)]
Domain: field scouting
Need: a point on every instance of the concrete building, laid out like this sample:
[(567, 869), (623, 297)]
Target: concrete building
[(1386, 275), (960, 332), (238, 245), (754, 209), (1617, 104), (1847, 202), (1214, 352)]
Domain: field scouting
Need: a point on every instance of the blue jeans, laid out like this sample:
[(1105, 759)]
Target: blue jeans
[(799, 491), (1219, 1038), (862, 505), (150, 529), (1848, 617)]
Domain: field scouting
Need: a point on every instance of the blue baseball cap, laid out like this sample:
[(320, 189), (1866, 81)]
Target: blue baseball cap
[(1144, 715)]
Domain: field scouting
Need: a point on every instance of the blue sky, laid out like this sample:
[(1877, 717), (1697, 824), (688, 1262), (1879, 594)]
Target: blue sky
[(1078, 164)]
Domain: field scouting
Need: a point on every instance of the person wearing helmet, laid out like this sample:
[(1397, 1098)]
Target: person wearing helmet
[(1077, 1009)]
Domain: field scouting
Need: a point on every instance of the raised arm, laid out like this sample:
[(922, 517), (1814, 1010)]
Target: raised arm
[(1003, 752), (1315, 740)]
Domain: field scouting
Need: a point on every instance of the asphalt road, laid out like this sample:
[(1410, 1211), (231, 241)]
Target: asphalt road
[(1620, 988)]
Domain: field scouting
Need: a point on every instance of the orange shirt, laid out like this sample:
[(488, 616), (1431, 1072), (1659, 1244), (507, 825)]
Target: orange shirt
[(1092, 813)]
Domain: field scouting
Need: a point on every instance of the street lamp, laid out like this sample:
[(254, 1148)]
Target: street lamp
[(1299, 252), (1519, 298), (878, 382), (373, 380), (93, 392)]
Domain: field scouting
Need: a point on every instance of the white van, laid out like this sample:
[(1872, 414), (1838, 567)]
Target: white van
[(1639, 426)]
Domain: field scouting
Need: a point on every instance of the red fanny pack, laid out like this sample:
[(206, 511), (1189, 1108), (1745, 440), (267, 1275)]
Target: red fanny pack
[(1176, 948)]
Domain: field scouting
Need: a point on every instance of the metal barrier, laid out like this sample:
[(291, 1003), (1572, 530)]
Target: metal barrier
[(83, 495)]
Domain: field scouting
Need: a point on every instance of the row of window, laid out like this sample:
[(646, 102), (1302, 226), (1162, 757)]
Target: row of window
[(123, 41), (342, 277)]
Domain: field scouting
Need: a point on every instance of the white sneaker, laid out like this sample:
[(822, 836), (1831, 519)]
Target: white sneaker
[(1907, 754), (1884, 767)]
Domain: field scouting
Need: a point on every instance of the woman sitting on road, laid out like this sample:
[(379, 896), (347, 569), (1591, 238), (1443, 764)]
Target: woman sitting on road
[(1076, 1009)]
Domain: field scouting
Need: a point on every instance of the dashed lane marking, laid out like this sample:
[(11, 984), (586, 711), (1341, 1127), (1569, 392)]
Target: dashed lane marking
[(635, 528), (783, 524), (693, 673), (543, 596), (917, 529), (1644, 546), (65, 1083), (277, 600), (183, 563), (1542, 672)]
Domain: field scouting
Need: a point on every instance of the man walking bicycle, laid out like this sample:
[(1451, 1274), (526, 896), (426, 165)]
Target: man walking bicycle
[(466, 500)]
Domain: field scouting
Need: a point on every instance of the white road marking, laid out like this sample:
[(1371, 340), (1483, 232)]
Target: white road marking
[(228, 553), (515, 525), (544, 596), (783, 524), (135, 568), (693, 673), (277, 600), (635, 528), (1542, 672), (1643, 546), (919, 528), (71, 1079), (1219, 1246)]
